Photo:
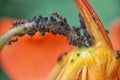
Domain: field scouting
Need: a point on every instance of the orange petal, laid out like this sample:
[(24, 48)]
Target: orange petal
[(115, 34), (31, 58), (92, 21), (98, 22), (5, 24)]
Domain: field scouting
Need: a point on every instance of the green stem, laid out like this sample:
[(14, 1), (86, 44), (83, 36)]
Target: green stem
[(15, 30)]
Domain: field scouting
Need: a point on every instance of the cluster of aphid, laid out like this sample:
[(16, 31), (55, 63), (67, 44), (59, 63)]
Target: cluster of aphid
[(56, 24), (83, 37), (61, 57)]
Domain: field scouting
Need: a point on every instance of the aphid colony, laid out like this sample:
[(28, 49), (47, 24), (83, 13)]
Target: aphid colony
[(60, 58), (56, 24)]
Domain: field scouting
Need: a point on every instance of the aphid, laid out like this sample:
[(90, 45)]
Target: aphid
[(14, 40), (34, 18), (93, 17), (79, 44), (82, 21), (30, 33), (14, 23), (65, 53), (45, 19), (60, 17), (83, 43), (79, 15), (61, 23), (54, 31), (32, 27), (72, 60), (25, 29), (78, 54), (78, 33), (118, 54), (47, 30), (15, 35), (21, 34), (29, 21), (40, 17), (55, 14), (42, 33), (8, 43), (83, 27), (65, 20), (48, 24), (52, 19), (59, 28), (37, 21), (87, 35), (90, 41), (107, 31), (60, 58), (81, 37), (20, 22)]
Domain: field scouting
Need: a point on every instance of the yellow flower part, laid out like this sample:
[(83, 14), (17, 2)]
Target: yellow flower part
[(96, 62)]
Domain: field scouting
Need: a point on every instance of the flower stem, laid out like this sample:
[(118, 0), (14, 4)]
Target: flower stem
[(15, 30)]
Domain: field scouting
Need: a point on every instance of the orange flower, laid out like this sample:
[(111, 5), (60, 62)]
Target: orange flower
[(31, 58), (28, 59)]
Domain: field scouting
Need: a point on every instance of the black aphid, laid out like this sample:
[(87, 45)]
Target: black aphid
[(25, 29), (40, 17), (8, 42), (118, 54), (21, 34), (14, 40), (107, 31), (93, 17), (78, 54), (60, 58), (14, 23), (65, 53), (30, 33), (72, 60)]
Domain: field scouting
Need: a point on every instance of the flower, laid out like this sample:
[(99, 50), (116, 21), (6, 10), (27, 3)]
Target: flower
[(92, 59), (31, 58), (96, 62)]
